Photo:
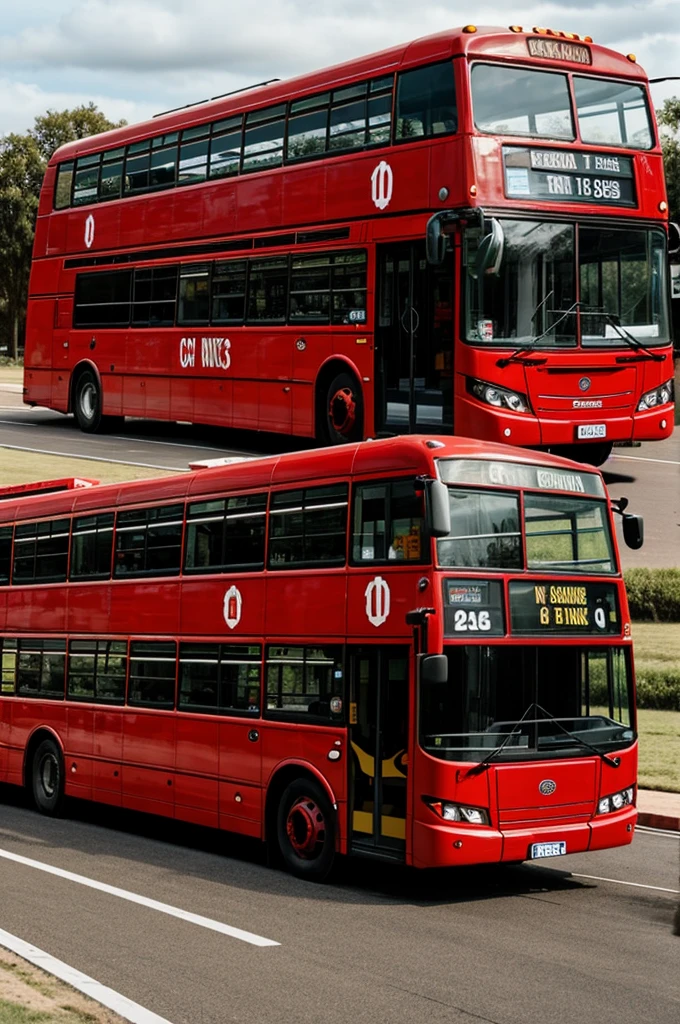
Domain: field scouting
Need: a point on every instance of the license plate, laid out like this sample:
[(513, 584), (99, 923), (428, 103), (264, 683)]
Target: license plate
[(591, 430), (548, 850)]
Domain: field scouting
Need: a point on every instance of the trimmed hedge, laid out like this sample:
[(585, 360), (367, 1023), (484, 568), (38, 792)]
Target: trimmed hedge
[(653, 594), (658, 689)]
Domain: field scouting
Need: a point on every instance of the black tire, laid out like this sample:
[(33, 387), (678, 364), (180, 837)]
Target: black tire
[(47, 778), (341, 410), (591, 454), (87, 405), (305, 830)]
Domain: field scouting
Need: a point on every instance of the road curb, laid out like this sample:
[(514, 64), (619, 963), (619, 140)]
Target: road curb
[(665, 821)]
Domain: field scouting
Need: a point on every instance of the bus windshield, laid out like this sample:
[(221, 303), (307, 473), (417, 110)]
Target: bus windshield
[(526, 101), (557, 533), (533, 298), (540, 700)]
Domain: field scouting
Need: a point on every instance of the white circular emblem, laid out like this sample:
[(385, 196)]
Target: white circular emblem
[(233, 603), (584, 383), (381, 185), (377, 595), (89, 231), (547, 787)]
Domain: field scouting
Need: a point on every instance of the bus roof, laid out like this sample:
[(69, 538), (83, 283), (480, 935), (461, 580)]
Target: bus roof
[(484, 41), (402, 454)]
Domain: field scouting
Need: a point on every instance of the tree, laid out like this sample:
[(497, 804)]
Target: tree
[(669, 121), (57, 127), (21, 173), (23, 159)]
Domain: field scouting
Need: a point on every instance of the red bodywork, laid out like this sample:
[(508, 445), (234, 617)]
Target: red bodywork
[(204, 768), (271, 383)]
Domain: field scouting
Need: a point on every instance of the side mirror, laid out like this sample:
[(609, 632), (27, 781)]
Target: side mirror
[(633, 530), (489, 252), (434, 668), (673, 238), (438, 510), (435, 241)]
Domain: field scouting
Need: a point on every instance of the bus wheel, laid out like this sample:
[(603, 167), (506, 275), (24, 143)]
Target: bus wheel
[(342, 416), (47, 778), (87, 405), (306, 830)]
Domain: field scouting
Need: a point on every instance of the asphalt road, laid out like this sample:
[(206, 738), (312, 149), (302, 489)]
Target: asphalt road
[(649, 476), (532, 944)]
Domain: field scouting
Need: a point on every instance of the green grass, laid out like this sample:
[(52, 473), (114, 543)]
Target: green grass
[(24, 467), (659, 737), (656, 643), (13, 1013)]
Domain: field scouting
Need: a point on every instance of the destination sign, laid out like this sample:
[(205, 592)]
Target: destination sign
[(559, 49), (473, 607), (568, 176), (519, 474), (545, 607)]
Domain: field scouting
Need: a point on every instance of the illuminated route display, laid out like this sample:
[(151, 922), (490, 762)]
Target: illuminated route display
[(568, 176), (542, 607)]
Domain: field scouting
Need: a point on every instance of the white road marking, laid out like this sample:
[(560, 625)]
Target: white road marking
[(173, 444), (666, 832), (617, 881), (94, 458), (639, 458), (124, 1007), (143, 901)]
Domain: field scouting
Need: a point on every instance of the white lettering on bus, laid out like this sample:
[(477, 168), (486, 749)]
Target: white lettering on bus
[(215, 352), (549, 160), (559, 481), (187, 352), (559, 184)]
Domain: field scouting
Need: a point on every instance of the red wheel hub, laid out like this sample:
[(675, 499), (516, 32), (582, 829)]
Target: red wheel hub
[(343, 411), (305, 827)]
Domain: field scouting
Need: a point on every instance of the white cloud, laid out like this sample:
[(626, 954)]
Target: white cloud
[(21, 103), (133, 57)]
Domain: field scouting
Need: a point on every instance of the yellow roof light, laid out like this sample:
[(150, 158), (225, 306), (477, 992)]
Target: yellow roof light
[(631, 57), (540, 31), (516, 28), (470, 28), (587, 39)]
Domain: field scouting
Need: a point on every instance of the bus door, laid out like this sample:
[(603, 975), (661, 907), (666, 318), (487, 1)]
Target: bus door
[(414, 341), (379, 749)]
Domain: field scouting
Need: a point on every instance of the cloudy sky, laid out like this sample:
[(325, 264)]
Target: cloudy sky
[(134, 58)]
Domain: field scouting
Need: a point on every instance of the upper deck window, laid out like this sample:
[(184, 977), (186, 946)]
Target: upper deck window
[(426, 102), (518, 101), (613, 113)]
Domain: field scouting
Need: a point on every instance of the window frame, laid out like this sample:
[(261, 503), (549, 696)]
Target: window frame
[(425, 539), (304, 491)]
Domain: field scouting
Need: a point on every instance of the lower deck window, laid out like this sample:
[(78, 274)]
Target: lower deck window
[(220, 678), (153, 668), (305, 681)]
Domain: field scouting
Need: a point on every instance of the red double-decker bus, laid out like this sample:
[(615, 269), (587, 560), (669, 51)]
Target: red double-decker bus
[(465, 234), (415, 648)]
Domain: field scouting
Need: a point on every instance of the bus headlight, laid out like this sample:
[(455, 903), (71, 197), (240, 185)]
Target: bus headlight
[(616, 801), (500, 398), (658, 396), (458, 812)]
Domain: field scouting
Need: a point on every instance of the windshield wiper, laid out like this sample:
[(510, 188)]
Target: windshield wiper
[(658, 357), (529, 345), (614, 762), (477, 768)]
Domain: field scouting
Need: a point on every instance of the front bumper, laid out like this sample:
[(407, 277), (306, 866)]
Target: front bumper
[(438, 845)]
